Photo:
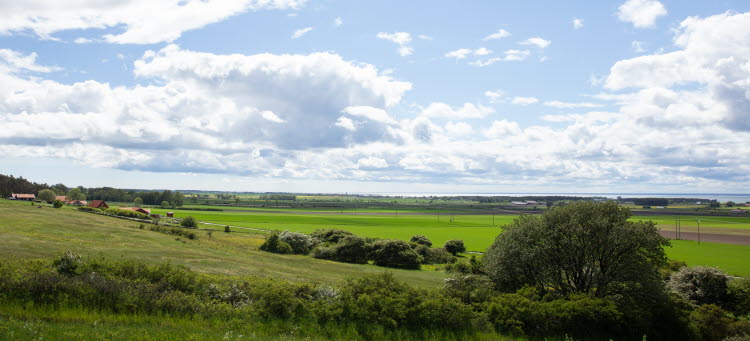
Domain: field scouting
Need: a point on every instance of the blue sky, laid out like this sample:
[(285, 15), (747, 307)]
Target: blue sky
[(378, 96)]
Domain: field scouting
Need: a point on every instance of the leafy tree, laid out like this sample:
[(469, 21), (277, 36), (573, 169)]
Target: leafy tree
[(582, 247), (57, 204), (350, 249), (226, 229), (729, 204), (275, 245), (47, 195), (138, 202), (331, 235), (739, 292), (701, 285), (420, 239), (301, 243), (189, 221), (165, 204), (394, 253), (455, 246), (76, 194)]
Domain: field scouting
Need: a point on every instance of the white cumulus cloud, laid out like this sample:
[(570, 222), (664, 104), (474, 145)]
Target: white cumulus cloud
[(133, 21), (641, 13)]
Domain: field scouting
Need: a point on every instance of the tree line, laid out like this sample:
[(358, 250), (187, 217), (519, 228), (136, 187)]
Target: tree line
[(10, 184)]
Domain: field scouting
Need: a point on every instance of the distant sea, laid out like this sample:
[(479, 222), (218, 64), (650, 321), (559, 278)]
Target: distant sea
[(738, 198)]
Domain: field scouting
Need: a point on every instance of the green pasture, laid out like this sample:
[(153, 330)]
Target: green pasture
[(668, 222), (733, 259), (476, 231), (30, 232)]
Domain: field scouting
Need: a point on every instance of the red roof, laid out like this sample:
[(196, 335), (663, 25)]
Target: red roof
[(137, 209), (61, 198), (23, 196), (98, 203)]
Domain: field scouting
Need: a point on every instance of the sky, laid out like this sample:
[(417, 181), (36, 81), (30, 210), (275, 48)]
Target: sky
[(626, 96)]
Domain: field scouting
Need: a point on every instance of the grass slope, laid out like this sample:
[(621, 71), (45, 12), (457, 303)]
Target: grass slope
[(29, 232)]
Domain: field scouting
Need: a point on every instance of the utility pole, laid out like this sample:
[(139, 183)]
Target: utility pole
[(699, 231)]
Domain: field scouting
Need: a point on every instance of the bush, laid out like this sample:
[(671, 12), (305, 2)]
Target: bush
[(126, 213), (87, 209), (421, 240), (434, 255), (226, 229), (351, 249), (578, 317), (165, 204), (275, 245), (469, 288), (739, 295), (472, 267), (701, 285), (712, 322), (394, 253), (69, 264), (176, 231), (189, 221), (57, 204), (330, 235), (455, 246), (382, 300), (301, 243)]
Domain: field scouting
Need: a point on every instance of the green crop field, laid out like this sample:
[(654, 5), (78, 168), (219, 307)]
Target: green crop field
[(46, 232), (30, 232), (733, 259), (476, 230)]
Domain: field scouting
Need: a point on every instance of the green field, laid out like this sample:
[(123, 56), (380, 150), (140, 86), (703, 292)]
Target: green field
[(732, 259), (29, 232), (475, 230)]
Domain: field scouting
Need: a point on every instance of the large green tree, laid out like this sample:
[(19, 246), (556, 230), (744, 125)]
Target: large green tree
[(76, 194), (46, 195), (582, 247)]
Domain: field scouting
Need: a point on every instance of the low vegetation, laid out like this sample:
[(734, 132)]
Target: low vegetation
[(344, 246)]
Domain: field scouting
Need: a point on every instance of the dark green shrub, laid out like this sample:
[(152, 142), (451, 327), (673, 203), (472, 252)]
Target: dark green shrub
[(87, 209), (57, 204), (275, 245), (68, 264), (712, 322), (330, 235), (421, 240), (739, 295), (579, 317), (382, 300), (351, 249), (189, 221), (434, 255), (455, 246), (469, 288), (394, 253), (226, 229), (301, 243), (701, 285)]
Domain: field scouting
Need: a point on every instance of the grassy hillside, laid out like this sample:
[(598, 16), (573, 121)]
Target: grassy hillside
[(30, 232)]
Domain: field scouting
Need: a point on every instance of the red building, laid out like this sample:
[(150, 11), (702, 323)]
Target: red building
[(98, 204)]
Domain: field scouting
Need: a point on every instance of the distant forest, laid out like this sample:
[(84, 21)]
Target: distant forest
[(10, 184)]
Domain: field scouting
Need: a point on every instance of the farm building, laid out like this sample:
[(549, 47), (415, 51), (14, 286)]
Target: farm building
[(61, 198), (98, 204), (18, 196), (76, 202), (137, 209)]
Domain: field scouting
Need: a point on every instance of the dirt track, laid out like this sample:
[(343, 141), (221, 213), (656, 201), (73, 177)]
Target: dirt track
[(709, 237)]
